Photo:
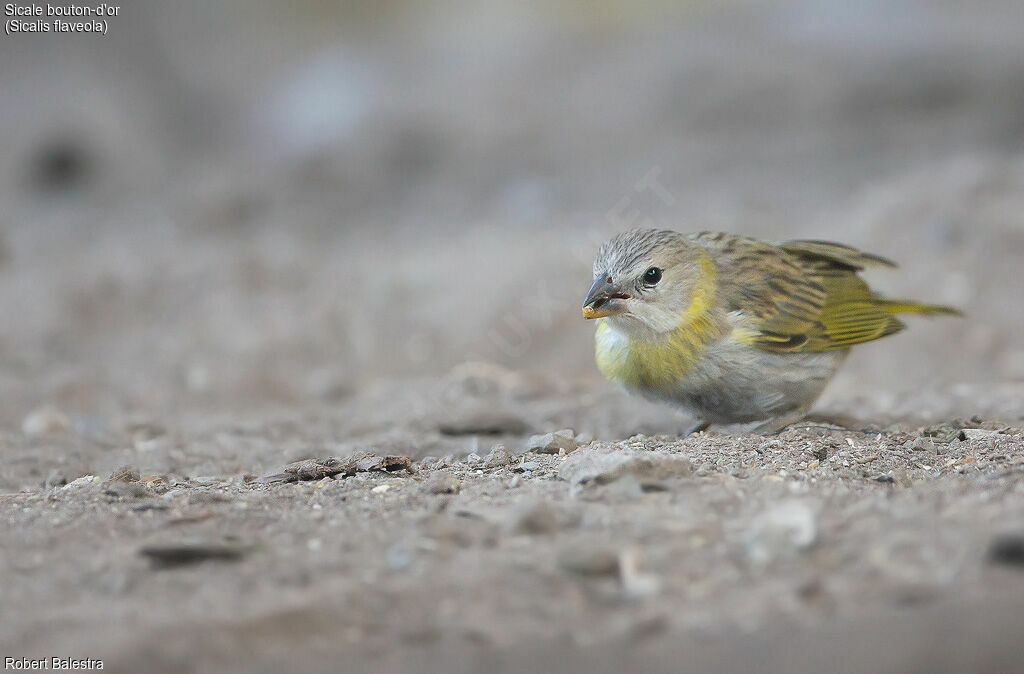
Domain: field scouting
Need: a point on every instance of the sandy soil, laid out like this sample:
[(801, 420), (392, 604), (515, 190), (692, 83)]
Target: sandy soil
[(288, 235), (720, 550)]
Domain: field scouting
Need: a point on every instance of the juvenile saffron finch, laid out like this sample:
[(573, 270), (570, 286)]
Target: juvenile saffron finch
[(732, 329)]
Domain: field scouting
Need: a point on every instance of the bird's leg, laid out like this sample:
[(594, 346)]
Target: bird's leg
[(697, 428), (778, 424)]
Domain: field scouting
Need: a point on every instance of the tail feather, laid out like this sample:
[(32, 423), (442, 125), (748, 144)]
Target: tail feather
[(911, 307)]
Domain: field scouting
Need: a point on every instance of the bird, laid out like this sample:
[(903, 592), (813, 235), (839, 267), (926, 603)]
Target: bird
[(732, 329)]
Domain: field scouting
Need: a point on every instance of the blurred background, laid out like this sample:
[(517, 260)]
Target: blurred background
[(236, 234), (230, 204)]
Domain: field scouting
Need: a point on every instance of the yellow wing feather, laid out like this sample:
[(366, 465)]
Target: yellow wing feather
[(803, 296)]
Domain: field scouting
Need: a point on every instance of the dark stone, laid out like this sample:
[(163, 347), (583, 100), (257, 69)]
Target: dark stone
[(60, 165), (1007, 550)]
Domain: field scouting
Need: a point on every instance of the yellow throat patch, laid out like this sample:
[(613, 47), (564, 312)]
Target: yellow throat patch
[(644, 364)]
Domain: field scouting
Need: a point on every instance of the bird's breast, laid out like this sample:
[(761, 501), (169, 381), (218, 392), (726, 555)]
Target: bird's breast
[(654, 363), (648, 365)]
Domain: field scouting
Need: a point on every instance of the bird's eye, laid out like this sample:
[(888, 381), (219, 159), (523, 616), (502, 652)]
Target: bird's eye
[(652, 276)]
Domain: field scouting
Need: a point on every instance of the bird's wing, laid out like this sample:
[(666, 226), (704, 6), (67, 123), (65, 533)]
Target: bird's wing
[(802, 296), (836, 254)]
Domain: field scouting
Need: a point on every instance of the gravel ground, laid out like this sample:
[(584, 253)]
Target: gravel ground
[(546, 551), (292, 371)]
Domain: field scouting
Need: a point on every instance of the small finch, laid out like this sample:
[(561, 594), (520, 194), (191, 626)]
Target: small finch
[(732, 329)]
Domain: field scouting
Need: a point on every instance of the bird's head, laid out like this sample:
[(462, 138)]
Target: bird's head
[(645, 280)]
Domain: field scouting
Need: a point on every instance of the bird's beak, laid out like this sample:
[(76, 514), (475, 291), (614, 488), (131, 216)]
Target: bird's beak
[(604, 299)]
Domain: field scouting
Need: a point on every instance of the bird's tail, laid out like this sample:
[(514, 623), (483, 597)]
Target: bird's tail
[(911, 307)]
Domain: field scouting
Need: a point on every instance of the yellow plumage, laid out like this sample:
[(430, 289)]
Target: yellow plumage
[(655, 363), (811, 299)]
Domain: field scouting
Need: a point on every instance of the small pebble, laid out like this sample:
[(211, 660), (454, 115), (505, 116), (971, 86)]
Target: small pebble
[(125, 474), (56, 478), (45, 421), (483, 422), (535, 518), (922, 445), (603, 463), (442, 482), (784, 528), (125, 490), (497, 457), (591, 561), (194, 552), (553, 443), (977, 433), (1007, 550), (84, 481), (635, 585)]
